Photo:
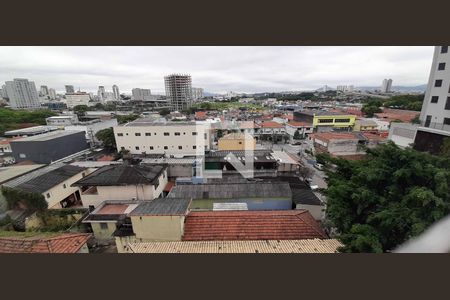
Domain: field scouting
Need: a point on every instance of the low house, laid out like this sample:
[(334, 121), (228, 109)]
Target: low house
[(365, 125), (161, 219), (325, 120), (107, 217), (54, 182), (122, 182), (402, 115), (269, 130), (286, 163), (302, 128), (236, 142), (251, 225), (59, 243), (257, 195)]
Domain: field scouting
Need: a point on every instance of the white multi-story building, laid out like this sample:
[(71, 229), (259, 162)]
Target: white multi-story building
[(44, 90), (197, 93), (386, 86), (61, 121), (170, 138), (75, 99), (116, 93), (22, 94), (178, 91), (52, 94), (101, 93), (141, 94)]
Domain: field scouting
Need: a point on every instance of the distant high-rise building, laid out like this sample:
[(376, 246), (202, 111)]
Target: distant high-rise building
[(44, 90), (141, 94), (386, 86), (52, 94), (4, 94), (69, 89), (22, 93), (101, 93), (79, 98), (178, 91), (116, 93), (197, 93), (345, 88)]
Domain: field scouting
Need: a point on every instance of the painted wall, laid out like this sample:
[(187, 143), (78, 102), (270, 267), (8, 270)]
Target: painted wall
[(103, 234), (237, 144), (158, 228), (317, 211)]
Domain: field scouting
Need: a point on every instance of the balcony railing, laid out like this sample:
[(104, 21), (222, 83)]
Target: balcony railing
[(434, 125)]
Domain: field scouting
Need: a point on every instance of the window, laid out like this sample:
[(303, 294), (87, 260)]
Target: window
[(137, 147), (434, 99), (122, 148), (148, 134), (103, 226), (342, 120), (64, 185), (240, 143), (166, 134), (441, 66), (126, 133), (447, 104), (444, 49), (165, 147), (194, 147), (48, 195), (438, 83), (194, 133), (120, 134), (446, 121), (428, 121), (325, 120), (177, 133), (83, 174), (137, 134), (206, 136), (180, 147)]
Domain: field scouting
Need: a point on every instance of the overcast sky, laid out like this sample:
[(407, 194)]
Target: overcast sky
[(216, 69)]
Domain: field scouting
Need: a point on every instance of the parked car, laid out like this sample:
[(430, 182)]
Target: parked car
[(318, 166), (297, 143)]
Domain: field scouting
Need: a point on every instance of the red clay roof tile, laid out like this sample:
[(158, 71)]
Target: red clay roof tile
[(64, 243)]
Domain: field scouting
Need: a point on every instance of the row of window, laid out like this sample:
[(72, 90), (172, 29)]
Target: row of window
[(335, 120), (149, 133), (435, 99), (165, 147)]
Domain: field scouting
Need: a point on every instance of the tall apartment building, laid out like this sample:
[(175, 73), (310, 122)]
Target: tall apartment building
[(69, 89), (116, 93), (170, 138), (22, 94), (141, 94), (75, 99), (386, 86), (44, 90), (435, 114), (197, 93), (52, 94), (178, 91), (101, 93)]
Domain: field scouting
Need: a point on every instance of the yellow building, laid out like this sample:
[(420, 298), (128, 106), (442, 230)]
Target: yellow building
[(365, 125), (237, 141), (321, 118)]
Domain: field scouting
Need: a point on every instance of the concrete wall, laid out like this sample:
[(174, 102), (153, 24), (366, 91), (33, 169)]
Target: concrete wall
[(103, 234), (158, 228), (237, 144), (402, 134), (126, 137), (93, 128), (317, 211)]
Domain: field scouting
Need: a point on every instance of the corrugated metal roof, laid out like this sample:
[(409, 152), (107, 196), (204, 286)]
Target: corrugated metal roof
[(162, 207), (268, 246)]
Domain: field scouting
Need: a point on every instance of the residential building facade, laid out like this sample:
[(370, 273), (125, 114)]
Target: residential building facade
[(75, 99), (22, 94)]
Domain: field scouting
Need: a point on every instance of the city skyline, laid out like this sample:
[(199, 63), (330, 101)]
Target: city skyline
[(216, 69)]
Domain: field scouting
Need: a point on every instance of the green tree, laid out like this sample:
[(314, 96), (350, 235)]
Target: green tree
[(80, 110), (164, 111), (127, 118), (445, 148), (106, 136), (371, 108), (389, 197), (416, 120)]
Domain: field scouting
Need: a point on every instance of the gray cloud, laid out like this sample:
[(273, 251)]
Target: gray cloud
[(216, 69)]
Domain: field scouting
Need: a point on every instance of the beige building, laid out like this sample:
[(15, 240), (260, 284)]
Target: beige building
[(237, 141), (75, 99), (146, 136), (122, 182), (54, 183), (159, 220)]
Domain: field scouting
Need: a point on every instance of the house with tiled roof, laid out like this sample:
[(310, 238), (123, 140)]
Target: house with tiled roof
[(122, 182), (251, 225), (60, 243), (270, 130), (302, 128)]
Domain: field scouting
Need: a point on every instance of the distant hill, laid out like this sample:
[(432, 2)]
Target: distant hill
[(397, 88)]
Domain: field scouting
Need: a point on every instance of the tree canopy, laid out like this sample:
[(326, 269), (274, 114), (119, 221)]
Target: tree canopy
[(15, 119), (389, 197), (106, 136)]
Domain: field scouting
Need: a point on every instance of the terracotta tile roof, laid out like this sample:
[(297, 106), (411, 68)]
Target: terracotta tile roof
[(7, 141), (169, 186), (200, 114), (299, 124), (251, 225), (266, 246), (270, 124), (64, 243)]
